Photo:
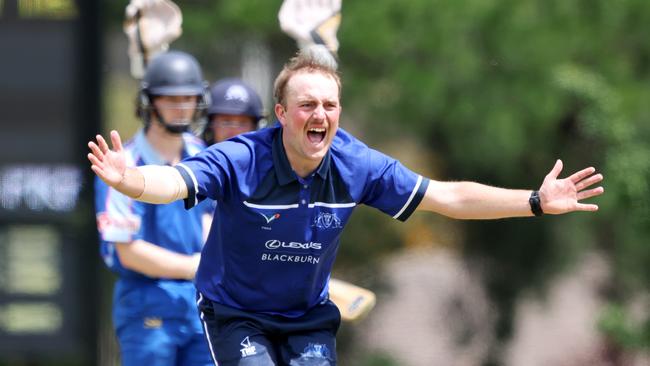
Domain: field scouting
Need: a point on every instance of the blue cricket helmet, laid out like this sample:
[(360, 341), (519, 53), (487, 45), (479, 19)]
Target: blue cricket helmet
[(233, 96)]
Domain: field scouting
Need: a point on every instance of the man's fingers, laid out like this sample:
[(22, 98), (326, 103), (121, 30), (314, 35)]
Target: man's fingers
[(97, 170), (578, 176), (557, 168), (586, 207), (103, 146), (116, 140), (588, 181), (95, 167), (94, 160), (590, 193), (95, 150)]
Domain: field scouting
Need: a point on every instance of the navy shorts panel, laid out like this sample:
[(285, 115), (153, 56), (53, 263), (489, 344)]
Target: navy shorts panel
[(242, 338), (312, 348), (236, 341)]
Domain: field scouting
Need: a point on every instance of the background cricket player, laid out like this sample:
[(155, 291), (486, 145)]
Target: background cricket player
[(235, 108), (155, 249)]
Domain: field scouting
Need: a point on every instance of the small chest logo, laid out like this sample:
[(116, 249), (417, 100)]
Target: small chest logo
[(270, 218), (326, 220), (247, 348)]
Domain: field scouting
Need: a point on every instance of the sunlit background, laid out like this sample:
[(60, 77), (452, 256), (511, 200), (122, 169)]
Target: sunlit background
[(491, 91)]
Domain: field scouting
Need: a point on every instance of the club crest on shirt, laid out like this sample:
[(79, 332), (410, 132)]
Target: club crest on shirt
[(327, 220), (315, 350)]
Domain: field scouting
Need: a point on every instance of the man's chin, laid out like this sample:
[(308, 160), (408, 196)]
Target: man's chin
[(317, 152), (316, 155)]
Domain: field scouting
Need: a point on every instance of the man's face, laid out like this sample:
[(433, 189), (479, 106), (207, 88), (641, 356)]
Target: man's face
[(176, 110), (309, 119), (225, 126)]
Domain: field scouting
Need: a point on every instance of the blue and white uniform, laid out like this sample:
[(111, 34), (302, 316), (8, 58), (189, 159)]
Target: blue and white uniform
[(275, 236), (273, 245), (155, 319)]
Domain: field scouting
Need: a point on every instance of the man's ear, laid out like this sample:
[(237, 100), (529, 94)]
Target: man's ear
[(280, 113)]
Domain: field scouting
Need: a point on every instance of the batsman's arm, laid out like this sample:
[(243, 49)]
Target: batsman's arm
[(469, 200), (149, 183), (157, 262)]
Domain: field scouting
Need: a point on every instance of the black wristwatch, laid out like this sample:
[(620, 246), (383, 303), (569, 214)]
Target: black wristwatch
[(535, 205)]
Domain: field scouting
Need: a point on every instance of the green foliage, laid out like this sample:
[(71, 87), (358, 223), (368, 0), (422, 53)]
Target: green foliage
[(502, 89), (616, 324)]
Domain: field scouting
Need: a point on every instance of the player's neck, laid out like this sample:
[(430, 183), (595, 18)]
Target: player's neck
[(302, 167), (168, 145)]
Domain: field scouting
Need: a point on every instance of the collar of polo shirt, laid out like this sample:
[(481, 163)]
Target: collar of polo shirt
[(283, 169)]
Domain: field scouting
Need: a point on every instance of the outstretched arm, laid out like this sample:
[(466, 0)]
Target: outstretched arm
[(468, 200), (149, 183)]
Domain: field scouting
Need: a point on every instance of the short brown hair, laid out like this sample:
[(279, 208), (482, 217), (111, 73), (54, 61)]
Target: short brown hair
[(309, 59)]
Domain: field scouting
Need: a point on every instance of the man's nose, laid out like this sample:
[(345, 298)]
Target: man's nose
[(319, 112)]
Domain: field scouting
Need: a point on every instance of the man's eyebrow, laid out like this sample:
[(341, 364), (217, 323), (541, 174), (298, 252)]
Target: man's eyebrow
[(305, 100), (308, 98)]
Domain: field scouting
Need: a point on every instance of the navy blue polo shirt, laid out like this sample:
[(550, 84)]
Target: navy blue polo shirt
[(275, 235)]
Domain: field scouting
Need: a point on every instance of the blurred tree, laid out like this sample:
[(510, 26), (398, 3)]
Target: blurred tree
[(502, 89)]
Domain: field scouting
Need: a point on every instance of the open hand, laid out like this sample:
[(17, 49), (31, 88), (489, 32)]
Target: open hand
[(558, 196), (109, 165)]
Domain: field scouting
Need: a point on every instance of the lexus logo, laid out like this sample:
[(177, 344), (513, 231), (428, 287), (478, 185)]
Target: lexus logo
[(275, 244)]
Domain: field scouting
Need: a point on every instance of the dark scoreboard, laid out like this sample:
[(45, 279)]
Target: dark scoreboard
[(49, 108)]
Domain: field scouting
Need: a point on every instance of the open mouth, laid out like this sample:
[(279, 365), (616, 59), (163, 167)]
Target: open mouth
[(316, 135)]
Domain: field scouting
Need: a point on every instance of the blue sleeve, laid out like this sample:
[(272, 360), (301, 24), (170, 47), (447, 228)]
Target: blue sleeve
[(391, 187), (209, 173)]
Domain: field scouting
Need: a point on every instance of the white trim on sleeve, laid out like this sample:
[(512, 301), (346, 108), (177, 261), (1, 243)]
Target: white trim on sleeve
[(194, 181), (408, 202)]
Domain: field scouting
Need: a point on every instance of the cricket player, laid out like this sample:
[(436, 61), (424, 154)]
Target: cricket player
[(235, 108), (284, 195), (155, 249)]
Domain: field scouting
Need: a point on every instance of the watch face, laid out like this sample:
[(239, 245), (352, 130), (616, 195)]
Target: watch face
[(535, 204)]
